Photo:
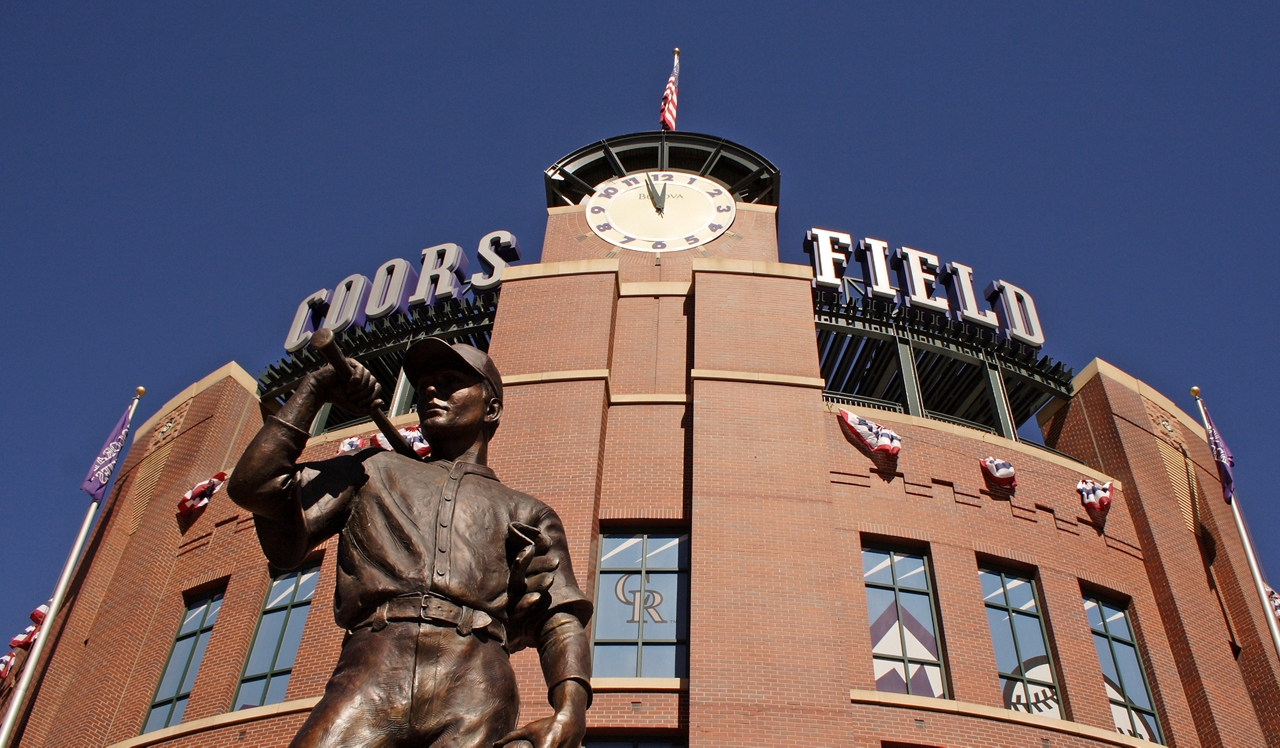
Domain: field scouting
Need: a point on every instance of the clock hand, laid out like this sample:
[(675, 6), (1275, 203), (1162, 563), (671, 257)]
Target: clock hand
[(653, 194), (662, 200)]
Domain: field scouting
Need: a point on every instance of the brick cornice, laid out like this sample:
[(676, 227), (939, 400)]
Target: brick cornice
[(230, 369), (1099, 367)]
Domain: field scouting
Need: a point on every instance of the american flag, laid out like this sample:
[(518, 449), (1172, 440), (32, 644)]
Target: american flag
[(668, 116)]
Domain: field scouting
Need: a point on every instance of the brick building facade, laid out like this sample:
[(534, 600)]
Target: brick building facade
[(680, 396)]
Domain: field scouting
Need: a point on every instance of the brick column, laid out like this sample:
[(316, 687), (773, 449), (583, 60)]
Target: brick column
[(764, 600)]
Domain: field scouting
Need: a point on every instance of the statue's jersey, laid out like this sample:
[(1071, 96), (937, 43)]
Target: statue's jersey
[(446, 528)]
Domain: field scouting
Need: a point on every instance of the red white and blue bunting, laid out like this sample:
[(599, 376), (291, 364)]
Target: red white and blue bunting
[(873, 436), (198, 497), (1094, 495), (411, 434), (24, 640), (1000, 472), (351, 444)]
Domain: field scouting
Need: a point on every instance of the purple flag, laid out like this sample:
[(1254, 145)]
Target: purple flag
[(95, 483), (1222, 456)]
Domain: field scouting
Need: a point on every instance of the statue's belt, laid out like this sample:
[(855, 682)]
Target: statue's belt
[(422, 608)]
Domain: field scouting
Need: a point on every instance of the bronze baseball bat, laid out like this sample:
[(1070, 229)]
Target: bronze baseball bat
[(323, 342)]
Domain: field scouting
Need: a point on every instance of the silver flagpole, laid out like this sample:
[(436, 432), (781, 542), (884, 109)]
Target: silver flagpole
[(60, 592), (1248, 547)]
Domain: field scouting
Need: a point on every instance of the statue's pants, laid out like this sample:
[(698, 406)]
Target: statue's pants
[(415, 684)]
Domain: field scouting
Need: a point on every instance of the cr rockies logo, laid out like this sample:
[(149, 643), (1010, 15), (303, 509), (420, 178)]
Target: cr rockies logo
[(640, 602)]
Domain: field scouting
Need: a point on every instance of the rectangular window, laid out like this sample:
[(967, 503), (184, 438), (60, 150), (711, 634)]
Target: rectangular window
[(641, 624), (275, 645), (180, 671), (904, 623), (1021, 647), (1126, 682)]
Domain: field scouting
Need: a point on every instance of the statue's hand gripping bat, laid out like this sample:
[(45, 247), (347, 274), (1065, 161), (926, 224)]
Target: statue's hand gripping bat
[(323, 342)]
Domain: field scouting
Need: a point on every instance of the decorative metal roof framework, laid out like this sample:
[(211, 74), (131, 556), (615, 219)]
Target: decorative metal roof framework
[(380, 348), (904, 359), (748, 175)]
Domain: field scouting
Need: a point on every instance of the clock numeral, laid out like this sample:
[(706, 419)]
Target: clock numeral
[(692, 239), (631, 181), (724, 208), (659, 245), (597, 209), (714, 226), (667, 177), (692, 180), (604, 227), (609, 192), (628, 239), (715, 193)]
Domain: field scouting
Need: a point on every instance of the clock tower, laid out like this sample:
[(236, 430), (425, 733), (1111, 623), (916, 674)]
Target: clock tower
[(662, 379), (657, 200)]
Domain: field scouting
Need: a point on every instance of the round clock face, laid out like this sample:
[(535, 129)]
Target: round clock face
[(660, 211)]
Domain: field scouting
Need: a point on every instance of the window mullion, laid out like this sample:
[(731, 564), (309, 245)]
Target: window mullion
[(195, 640), (937, 625), (275, 655), (902, 632), (644, 578), (1017, 647)]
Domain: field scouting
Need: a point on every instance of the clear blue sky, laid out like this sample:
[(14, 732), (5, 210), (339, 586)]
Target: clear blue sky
[(175, 177)]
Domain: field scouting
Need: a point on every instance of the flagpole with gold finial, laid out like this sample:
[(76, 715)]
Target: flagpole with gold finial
[(55, 604), (1254, 571)]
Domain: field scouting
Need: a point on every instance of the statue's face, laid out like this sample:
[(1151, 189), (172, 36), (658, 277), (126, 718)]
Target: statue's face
[(451, 400)]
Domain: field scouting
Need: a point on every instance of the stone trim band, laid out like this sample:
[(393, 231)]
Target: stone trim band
[(996, 714), (217, 721), (750, 376)]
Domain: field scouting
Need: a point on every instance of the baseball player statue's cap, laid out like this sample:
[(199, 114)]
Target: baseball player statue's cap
[(430, 354)]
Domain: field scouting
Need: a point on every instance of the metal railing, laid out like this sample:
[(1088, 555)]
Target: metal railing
[(1051, 450), (842, 398), (935, 415)]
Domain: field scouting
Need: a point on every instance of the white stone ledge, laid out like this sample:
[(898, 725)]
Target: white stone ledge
[(552, 269), (649, 399), (554, 376), (996, 442), (655, 288), (219, 721), (607, 685), (978, 711), (751, 267), (751, 376)]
